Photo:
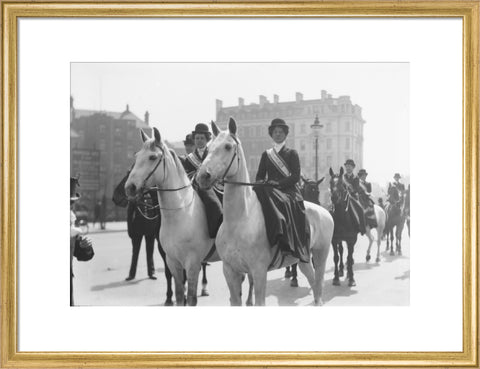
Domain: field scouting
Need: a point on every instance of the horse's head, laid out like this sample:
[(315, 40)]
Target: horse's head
[(144, 172), (223, 160), (311, 190), (338, 189)]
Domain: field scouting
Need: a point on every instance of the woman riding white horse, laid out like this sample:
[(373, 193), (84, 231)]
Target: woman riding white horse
[(184, 232), (242, 241)]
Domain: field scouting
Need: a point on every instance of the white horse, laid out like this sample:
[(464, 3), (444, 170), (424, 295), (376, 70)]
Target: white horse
[(380, 216), (184, 231), (242, 239)]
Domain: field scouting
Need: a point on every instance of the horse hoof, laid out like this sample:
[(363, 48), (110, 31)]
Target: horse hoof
[(205, 293), (129, 278), (319, 302), (368, 258), (400, 252), (392, 253), (168, 303), (340, 273), (351, 283), (288, 274), (294, 282), (377, 260), (336, 282), (249, 303)]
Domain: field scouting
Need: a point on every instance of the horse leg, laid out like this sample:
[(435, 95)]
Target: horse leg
[(336, 279), (136, 243), (250, 291), (319, 257), (234, 282), (294, 281), (351, 280), (177, 271), (288, 273), (149, 246), (399, 238), (392, 252), (340, 249), (204, 280), (168, 275), (379, 242), (370, 241), (193, 271), (260, 286)]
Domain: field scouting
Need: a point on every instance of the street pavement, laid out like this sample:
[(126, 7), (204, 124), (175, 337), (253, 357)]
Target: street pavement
[(101, 281)]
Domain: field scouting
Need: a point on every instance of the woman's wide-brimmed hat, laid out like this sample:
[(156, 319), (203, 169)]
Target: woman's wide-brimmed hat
[(188, 140), (362, 172), (202, 128), (397, 175), (277, 122), (74, 195), (350, 162)]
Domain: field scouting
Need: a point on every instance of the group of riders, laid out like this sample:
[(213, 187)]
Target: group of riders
[(277, 185)]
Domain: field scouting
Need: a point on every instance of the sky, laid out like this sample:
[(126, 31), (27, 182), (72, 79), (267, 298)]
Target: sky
[(179, 95)]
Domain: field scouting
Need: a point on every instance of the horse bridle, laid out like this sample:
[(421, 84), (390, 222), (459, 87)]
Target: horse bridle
[(156, 188)]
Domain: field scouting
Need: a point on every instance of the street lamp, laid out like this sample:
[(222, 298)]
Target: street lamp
[(316, 127)]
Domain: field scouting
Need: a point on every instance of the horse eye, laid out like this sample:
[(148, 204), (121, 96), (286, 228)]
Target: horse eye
[(153, 157), (228, 147)]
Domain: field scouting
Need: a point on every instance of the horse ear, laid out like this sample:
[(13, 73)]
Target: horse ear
[(156, 134), (215, 129), (232, 126), (320, 180), (341, 171), (303, 178), (143, 135), (330, 171)]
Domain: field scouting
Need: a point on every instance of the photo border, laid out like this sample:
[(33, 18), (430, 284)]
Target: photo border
[(468, 11)]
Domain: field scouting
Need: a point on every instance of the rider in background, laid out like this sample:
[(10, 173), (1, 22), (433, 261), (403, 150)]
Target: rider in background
[(213, 206), (353, 185), (400, 187), (282, 202), (366, 199)]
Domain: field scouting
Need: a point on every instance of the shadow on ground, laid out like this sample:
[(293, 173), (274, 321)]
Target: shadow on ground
[(117, 284)]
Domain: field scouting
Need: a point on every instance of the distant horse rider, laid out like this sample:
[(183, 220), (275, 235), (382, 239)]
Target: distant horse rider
[(366, 200), (400, 188), (280, 196), (353, 185), (213, 206)]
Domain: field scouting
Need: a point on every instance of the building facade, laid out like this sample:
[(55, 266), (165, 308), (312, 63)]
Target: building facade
[(102, 150), (341, 135)]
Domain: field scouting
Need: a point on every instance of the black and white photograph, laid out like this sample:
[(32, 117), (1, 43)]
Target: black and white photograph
[(240, 184)]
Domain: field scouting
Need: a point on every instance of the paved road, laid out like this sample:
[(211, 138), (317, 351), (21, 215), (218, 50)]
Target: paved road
[(101, 281)]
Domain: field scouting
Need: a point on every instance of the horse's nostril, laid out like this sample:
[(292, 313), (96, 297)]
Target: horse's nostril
[(132, 189), (207, 175)]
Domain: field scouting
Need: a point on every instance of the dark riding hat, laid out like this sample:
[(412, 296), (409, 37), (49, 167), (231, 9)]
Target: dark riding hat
[(362, 172), (350, 162), (277, 122), (397, 175), (188, 140), (202, 128), (74, 195)]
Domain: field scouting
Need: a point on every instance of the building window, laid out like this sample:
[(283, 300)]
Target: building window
[(329, 127), (329, 143), (347, 143), (329, 161), (302, 128), (347, 127)]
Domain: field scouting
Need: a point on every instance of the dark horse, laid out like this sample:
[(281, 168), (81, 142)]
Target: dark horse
[(395, 219), (406, 209), (310, 192), (344, 229)]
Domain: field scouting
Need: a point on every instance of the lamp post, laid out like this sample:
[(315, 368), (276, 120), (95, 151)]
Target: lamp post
[(316, 127)]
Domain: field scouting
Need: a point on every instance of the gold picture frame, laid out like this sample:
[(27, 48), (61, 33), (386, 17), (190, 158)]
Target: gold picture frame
[(468, 11)]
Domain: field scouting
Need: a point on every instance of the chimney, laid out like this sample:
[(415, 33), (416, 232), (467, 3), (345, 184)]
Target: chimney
[(263, 100), (218, 104), (128, 108), (147, 116), (329, 96), (275, 99), (298, 97), (324, 94), (241, 101)]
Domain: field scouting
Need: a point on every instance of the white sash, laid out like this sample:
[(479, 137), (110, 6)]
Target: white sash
[(278, 162), (194, 160)]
